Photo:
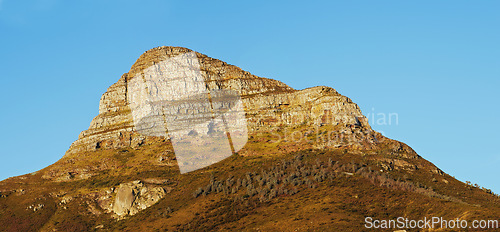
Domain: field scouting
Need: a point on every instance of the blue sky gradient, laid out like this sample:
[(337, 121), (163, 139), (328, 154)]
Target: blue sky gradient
[(435, 64)]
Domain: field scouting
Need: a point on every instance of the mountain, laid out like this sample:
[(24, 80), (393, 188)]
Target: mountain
[(296, 160)]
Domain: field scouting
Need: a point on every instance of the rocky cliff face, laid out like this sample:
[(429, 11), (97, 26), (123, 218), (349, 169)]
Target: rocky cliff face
[(269, 105)]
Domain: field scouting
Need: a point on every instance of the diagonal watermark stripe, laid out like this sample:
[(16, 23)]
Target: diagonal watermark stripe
[(171, 99)]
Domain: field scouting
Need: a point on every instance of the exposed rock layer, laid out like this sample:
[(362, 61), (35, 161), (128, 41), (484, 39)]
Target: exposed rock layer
[(269, 104)]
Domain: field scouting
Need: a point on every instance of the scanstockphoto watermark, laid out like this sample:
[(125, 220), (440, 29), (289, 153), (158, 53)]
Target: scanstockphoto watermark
[(429, 223), (334, 137), (315, 134)]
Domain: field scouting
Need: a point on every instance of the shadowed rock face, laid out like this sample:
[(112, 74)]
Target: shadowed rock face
[(268, 104)]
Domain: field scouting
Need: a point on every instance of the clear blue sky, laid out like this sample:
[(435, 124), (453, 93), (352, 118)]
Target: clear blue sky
[(436, 64)]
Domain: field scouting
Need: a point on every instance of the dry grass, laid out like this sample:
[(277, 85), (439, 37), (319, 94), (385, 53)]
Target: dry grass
[(326, 198)]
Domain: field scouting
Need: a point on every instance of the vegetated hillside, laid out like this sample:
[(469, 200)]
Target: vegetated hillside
[(333, 189), (311, 163)]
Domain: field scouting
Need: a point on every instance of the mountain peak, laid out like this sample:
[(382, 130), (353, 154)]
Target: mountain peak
[(269, 104)]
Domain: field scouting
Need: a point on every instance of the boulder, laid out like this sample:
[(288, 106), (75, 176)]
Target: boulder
[(135, 196)]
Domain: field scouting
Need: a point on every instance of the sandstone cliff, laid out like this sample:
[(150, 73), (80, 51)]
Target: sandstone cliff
[(269, 105)]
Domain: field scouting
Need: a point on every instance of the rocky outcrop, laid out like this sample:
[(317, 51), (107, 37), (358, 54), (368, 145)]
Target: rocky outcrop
[(135, 196), (269, 104)]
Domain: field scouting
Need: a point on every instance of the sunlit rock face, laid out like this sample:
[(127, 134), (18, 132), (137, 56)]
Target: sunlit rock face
[(211, 103), (135, 196)]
